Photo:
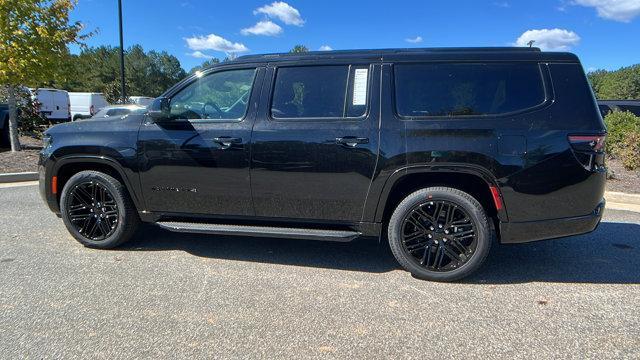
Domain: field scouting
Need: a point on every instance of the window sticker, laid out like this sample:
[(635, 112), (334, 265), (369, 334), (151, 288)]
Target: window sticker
[(360, 87)]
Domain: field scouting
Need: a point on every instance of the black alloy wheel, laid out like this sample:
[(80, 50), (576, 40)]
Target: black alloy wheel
[(439, 234), (92, 210), (97, 210)]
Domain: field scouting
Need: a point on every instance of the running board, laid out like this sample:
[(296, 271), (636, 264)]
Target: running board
[(260, 231)]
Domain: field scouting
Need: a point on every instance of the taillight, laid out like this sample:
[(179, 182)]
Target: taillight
[(587, 143), (92, 110), (589, 150)]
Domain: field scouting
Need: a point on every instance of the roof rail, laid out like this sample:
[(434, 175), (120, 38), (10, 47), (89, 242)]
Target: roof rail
[(381, 52)]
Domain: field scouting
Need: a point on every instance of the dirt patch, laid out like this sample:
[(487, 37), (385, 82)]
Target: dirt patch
[(21, 161), (29, 142), (624, 180)]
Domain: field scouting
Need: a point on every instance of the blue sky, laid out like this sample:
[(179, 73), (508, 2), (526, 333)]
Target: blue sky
[(604, 33)]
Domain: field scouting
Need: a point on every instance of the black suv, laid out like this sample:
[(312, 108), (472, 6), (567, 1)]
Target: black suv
[(435, 150)]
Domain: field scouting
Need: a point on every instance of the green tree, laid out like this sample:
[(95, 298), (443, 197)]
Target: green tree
[(147, 73), (34, 35), (207, 63), (620, 84), (299, 49)]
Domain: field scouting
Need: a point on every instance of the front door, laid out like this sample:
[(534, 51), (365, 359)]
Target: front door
[(197, 161), (315, 142)]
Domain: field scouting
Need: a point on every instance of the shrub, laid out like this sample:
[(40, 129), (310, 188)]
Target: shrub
[(630, 152), (30, 121), (619, 125)]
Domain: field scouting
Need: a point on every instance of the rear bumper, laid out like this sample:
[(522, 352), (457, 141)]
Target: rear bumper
[(522, 232)]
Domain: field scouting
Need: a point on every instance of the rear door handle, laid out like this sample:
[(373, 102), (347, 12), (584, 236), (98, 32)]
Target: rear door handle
[(351, 141), (227, 141)]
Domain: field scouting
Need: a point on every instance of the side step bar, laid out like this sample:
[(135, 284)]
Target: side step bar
[(260, 231)]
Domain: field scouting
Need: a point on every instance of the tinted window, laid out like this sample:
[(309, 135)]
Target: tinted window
[(222, 95), (320, 92), (466, 89)]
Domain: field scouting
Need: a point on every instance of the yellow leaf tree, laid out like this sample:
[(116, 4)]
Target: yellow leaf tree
[(34, 35)]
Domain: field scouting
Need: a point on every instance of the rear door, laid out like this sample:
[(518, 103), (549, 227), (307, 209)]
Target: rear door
[(60, 105), (315, 142)]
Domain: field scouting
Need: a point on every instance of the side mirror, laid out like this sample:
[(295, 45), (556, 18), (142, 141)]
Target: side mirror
[(160, 109)]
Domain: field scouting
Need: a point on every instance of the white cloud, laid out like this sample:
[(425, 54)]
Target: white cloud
[(283, 11), (266, 28), (214, 42), (618, 10), (549, 39), (415, 40), (325, 48), (200, 55)]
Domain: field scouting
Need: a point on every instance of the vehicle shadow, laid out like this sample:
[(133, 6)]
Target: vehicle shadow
[(610, 255), (365, 255)]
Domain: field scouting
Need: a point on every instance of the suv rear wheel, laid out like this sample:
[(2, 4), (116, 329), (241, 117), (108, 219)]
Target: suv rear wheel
[(97, 210), (439, 234)]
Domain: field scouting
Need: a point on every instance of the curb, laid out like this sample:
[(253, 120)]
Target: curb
[(623, 198), (18, 177)]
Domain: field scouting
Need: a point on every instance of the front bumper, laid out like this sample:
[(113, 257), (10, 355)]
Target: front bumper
[(45, 185), (523, 232)]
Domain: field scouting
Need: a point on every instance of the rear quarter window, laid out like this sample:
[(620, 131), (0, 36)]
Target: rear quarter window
[(460, 89)]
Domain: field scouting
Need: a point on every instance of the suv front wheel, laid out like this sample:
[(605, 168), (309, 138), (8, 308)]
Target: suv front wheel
[(97, 210), (439, 234)]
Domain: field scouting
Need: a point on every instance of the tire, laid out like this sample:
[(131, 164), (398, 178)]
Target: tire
[(455, 251), (85, 216)]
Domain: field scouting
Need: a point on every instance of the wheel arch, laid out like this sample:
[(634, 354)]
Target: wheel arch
[(473, 180), (68, 166)]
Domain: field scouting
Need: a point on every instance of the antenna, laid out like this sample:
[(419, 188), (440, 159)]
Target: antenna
[(531, 42)]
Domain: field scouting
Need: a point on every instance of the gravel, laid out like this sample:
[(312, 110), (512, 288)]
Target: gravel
[(179, 295), (625, 180)]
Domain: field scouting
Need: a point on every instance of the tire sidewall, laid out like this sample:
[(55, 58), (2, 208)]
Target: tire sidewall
[(110, 184), (473, 209)]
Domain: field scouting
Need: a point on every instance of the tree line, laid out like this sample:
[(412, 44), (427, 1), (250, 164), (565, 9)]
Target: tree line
[(151, 73), (97, 69), (622, 84)]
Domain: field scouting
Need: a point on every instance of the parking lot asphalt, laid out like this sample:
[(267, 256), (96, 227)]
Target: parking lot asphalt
[(177, 295)]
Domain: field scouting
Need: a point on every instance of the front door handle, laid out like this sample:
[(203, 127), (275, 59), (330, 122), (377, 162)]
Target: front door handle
[(227, 141), (351, 141)]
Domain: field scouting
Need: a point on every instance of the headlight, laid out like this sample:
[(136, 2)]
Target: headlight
[(46, 141)]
